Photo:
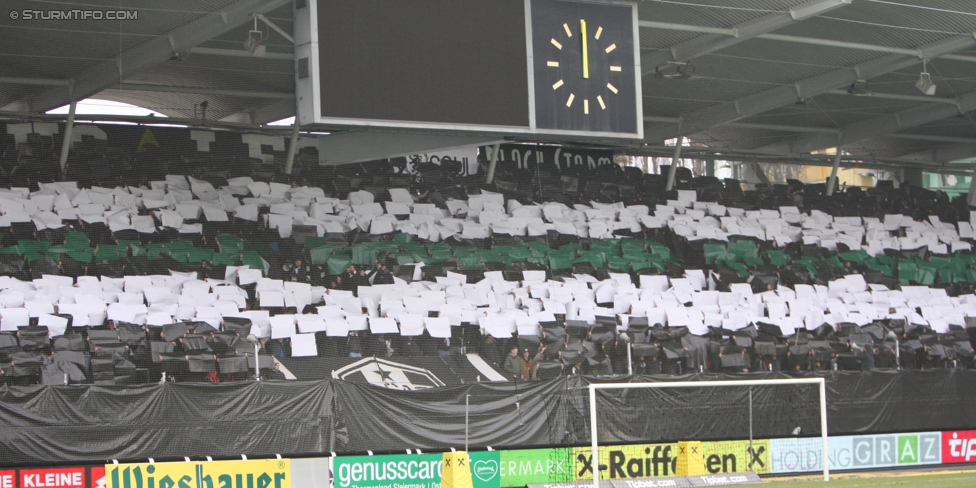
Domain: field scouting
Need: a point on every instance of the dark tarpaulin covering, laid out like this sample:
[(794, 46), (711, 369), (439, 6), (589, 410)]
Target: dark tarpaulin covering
[(435, 418), (52, 424), (451, 370), (91, 424)]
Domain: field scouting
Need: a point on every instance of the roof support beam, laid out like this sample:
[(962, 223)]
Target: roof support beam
[(832, 181), (815, 41), (203, 91), (971, 196), (783, 128), (923, 137), (716, 39), (239, 53), (147, 54), (825, 130), (944, 154), (743, 155), (894, 96), (876, 126), (757, 103), (148, 87), (152, 121), (262, 114), (15, 80), (675, 160)]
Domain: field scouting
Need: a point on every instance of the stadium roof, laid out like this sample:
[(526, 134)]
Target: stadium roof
[(748, 79)]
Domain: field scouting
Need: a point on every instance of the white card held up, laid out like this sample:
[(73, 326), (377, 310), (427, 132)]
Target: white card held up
[(271, 299), (383, 325), (358, 322), (438, 327), (282, 326), (308, 324), (133, 314), (38, 308), (157, 319), (303, 345), (55, 325), (527, 326), (248, 276), (260, 322), (411, 324), (336, 327), (654, 282)]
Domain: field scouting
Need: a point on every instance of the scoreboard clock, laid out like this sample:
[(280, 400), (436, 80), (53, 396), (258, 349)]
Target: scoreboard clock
[(585, 67), (530, 68)]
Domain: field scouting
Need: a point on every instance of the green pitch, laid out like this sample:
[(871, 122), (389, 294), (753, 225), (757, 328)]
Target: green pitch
[(954, 479)]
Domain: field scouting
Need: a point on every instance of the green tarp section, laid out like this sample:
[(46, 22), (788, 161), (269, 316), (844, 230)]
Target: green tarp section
[(229, 259), (319, 255), (229, 243), (714, 252), (622, 255), (777, 258), (338, 263), (111, 252), (252, 259)]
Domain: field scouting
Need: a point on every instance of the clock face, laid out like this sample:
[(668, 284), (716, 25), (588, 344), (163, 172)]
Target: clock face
[(584, 66)]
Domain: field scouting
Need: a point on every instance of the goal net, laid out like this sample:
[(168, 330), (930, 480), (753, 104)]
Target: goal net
[(726, 431)]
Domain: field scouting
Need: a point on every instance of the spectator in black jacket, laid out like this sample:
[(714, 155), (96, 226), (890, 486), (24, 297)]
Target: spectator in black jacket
[(380, 275), (300, 273)]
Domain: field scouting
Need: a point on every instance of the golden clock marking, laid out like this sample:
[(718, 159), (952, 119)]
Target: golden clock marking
[(586, 53), (555, 64)]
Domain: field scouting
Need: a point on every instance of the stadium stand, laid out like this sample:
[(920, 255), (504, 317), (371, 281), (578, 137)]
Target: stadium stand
[(335, 240), (165, 275)]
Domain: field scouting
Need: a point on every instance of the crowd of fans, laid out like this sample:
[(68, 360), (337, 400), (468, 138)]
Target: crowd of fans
[(204, 351)]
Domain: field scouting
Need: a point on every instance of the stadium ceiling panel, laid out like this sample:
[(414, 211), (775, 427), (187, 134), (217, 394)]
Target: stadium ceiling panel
[(772, 77), (125, 41)]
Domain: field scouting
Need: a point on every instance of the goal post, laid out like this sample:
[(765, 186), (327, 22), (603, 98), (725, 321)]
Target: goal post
[(594, 430)]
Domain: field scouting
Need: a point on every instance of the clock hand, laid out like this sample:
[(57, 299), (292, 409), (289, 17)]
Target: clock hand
[(586, 57)]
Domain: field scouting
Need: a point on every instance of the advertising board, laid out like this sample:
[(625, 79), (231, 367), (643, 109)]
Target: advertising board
[(856, 452), (958, 446), (527, 466), (411, 470), (97, 477), (59, 477), (8, 479), (660, 460), (52, 478), (265, 473)]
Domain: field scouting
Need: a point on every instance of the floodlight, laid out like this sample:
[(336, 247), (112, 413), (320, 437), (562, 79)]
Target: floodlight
[(255, 41), (859, 89), (676, 71), (924, 83)]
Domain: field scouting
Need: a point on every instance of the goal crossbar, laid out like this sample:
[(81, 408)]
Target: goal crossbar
[(595, 459)]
